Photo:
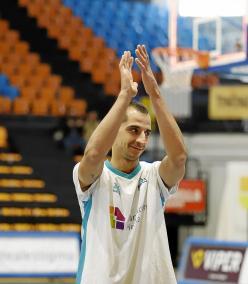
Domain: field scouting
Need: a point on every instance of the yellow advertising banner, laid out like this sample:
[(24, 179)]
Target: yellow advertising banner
[(228, 102)]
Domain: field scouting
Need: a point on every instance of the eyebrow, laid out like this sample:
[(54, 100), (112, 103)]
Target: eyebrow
[(137, 126)]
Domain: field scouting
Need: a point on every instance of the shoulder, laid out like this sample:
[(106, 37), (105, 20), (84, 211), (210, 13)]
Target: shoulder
[(150, 166)]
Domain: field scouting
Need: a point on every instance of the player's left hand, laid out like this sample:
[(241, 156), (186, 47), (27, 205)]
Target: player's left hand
[(148, 78)]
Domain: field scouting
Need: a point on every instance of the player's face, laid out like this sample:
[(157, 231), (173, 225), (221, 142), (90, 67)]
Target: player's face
[(133, 135)]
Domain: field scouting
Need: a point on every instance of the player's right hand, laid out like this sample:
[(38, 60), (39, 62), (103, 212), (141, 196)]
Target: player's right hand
[(127, 83)]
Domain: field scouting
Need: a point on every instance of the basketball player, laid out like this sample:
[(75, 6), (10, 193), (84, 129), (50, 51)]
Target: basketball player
[(124, 238)]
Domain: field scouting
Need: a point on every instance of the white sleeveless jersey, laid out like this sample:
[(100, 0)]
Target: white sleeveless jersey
[(124, 237)]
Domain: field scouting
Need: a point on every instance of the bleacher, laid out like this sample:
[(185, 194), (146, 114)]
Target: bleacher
[(30, 83), (28, 202)]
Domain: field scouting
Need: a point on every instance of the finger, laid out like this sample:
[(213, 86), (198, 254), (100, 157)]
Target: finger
[(121, 61), (130, 63), (143, 47), (129, 59), (126, 58), (141, 50), (140, 64), (140, 55)]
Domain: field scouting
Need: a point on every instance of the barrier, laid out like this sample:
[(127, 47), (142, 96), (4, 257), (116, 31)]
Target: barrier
[(212, 262), (39, 254)]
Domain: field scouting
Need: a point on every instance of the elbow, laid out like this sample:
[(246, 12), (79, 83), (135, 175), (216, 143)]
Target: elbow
[(92, 156), (180, 159)]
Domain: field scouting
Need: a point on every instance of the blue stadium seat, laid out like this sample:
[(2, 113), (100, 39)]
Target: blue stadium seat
[(119, 21), (3, 81), (10, 91)]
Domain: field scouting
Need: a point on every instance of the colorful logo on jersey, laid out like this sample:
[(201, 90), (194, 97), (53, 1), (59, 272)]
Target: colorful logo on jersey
[(117, 219)]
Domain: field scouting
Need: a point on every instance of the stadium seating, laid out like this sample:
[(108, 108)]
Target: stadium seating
[(146, 23), (26, 205), (27, 86), (83, 45)]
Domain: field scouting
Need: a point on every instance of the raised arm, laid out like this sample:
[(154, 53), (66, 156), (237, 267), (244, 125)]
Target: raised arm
[(104, 135), (172, 167)]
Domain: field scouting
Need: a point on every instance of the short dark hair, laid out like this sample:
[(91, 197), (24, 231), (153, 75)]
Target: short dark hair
[(139, 107)]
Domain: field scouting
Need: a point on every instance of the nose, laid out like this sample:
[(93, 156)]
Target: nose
[(142, 138)]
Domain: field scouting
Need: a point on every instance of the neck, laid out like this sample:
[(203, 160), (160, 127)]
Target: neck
[(124, 165)]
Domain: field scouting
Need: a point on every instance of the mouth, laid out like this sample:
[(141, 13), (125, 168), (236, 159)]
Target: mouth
[(137, 148)]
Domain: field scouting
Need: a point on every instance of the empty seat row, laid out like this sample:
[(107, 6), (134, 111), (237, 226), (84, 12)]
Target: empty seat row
[(47, 227), (28, 197), (42, 107)]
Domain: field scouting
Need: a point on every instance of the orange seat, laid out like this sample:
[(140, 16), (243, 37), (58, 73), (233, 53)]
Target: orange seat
[(35, 80), (77, 107), (21, 106), (86, 33), (21, 48), (55, 4), (63, 12), (8, 69), (2, 58), (76, 53), (64, 42), (115, 75), (39, 107), (33, 59), (5, 105), (109, 53), (60, 21), (4, 26), (11, 37), (29, 93), (87, 64), (3, 137), (58, 108), (55, 31), (93, 52), (75, 23), (23, 3), (112, 88), (47, 94), (24, 69), (17, 80), (5, 47), (66, 94), (42, 70), (136, 76), (41, 2), (44, 20), (34, 9), (99, 74), (97, 42), (53, 81), (14, 58)]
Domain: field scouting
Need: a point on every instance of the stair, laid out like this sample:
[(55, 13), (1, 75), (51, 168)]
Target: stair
[(51, 165)]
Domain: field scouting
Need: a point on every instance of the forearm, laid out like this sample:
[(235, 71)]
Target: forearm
[(170, 133), (104, 135)]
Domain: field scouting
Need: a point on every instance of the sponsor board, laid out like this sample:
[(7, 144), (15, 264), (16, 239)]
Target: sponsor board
[(39, 254), (190, 198), (210, 261), (228, 102)]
